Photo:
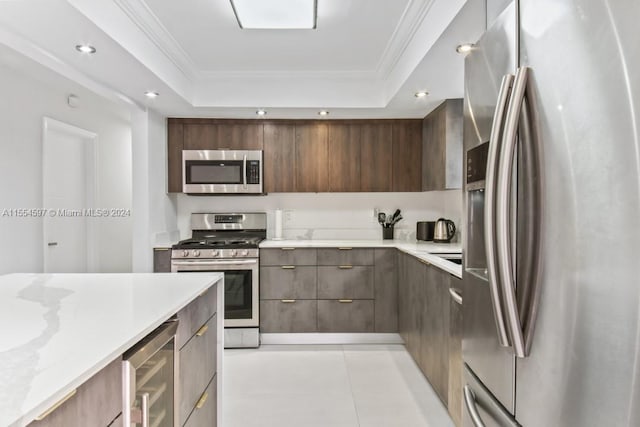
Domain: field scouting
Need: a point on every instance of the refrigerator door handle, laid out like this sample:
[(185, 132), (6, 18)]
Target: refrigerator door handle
[(503, 209), (472, 409), (495, 142)]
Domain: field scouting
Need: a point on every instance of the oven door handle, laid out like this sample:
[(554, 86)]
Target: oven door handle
[(213, 263)]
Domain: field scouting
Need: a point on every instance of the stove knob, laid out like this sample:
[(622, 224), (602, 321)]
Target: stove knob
[(215, 253), (233, 252), (196, 253), (244, 253), (185, 253)]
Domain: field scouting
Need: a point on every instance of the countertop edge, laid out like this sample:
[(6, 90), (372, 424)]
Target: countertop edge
[(407, 247), (29, 415)]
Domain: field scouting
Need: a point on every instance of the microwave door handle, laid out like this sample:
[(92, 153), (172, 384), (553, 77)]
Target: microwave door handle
[(244, 172)]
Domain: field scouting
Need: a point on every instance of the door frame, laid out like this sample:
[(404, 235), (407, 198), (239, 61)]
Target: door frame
[(91, 163)]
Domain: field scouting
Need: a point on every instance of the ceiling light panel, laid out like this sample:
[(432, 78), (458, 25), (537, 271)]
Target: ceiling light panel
[(275, 14)]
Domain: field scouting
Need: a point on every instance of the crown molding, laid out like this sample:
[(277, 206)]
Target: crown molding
[(143, 17), (411, 20)]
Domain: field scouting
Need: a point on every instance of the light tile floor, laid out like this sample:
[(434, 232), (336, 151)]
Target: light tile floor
[(328, 386)]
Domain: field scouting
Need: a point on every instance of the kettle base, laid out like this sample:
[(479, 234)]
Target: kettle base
[(441, 240)]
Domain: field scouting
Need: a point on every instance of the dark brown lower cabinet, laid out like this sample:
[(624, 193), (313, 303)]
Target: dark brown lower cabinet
[(345, 315), (287, 316)]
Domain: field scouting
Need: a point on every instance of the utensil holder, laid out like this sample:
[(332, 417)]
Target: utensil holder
[(387, 233)]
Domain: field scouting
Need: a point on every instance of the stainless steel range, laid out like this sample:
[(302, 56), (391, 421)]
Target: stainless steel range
[(228, 243)]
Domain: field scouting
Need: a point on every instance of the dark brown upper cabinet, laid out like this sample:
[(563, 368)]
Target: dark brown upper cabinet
[(442, 147), (175, 132), (376, 157), (407, 155), (344, 157), (279, 158), (312, 154), (220, 135)]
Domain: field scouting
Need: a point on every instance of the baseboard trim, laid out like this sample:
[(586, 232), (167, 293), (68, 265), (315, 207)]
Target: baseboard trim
[(330, 338)]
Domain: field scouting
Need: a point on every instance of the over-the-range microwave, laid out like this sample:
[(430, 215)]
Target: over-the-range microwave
[(222, 172)]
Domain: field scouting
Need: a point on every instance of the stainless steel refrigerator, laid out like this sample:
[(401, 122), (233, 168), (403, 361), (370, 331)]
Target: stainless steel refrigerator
[(551, 313)]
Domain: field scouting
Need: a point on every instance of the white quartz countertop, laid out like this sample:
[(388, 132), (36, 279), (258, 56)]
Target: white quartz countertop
[(426, 251), (58, 330)]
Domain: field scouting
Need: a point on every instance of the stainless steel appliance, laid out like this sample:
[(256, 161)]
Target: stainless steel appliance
[(149, 379), (444, 230), (424, 230), (228, 243), (222, 172), (551, 332)]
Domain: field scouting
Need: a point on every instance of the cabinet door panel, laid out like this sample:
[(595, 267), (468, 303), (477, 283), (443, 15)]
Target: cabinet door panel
[(287, 256), (312, 153), (206, 414), (386, 290), (434, 128), (376, 157), (278, 316), (352, 283), (407, 155), (290, 282), (175, 145), (279, 158), (345, 256), (354, 316), (200, 137), (344, 158), (193, 316), (197, 365), (239, 136)]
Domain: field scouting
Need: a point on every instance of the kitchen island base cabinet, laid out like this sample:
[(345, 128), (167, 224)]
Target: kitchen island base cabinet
[(205, 412), (280, 316), (345, 316), (96, 403)]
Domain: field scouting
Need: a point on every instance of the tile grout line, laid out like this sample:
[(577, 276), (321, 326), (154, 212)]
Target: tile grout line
[(353, 397)]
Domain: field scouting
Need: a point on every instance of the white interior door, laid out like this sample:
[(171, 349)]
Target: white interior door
[(68, 191)]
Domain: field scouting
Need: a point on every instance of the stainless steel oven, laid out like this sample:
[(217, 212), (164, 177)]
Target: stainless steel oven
[(241, 278), (222, 172), (228, 243)]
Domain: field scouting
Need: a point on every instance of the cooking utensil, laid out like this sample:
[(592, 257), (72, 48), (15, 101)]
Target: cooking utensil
[(381, 217)]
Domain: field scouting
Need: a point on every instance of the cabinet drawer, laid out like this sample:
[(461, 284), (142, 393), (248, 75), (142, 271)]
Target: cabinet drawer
[(288, 256), (193, 316), (288, 282), (96, 403), (345, 315), (197, 364), (345, 256), (345, 282), (205, 412), (162, 260), (288, 316)]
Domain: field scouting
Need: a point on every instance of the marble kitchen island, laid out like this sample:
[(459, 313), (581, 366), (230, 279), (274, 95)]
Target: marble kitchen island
[(59, 330)]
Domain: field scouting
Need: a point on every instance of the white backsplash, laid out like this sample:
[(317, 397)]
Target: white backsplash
[(322, 216)]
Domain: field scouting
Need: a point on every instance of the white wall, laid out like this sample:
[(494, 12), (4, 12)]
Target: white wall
[(26, 97), (154, 211), (331, 215)]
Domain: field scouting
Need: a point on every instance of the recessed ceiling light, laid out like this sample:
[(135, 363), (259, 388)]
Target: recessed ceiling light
[(261, 112), (465, 48), (85, 48), (151, 94), (421, 94), (275, 14), (323, 113)]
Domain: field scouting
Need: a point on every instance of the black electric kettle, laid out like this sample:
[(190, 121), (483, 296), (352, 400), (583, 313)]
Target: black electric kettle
[(444, 231)]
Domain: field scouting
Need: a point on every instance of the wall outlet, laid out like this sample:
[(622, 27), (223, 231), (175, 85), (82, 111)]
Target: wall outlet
[(288, 215)]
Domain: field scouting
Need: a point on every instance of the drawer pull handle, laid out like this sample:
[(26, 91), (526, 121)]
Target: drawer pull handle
[(344, 249), (58, 404), (345, 301), (202, 330), (202, 400), (288, 300), (288, 267), (345, 267), (288, 249)]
